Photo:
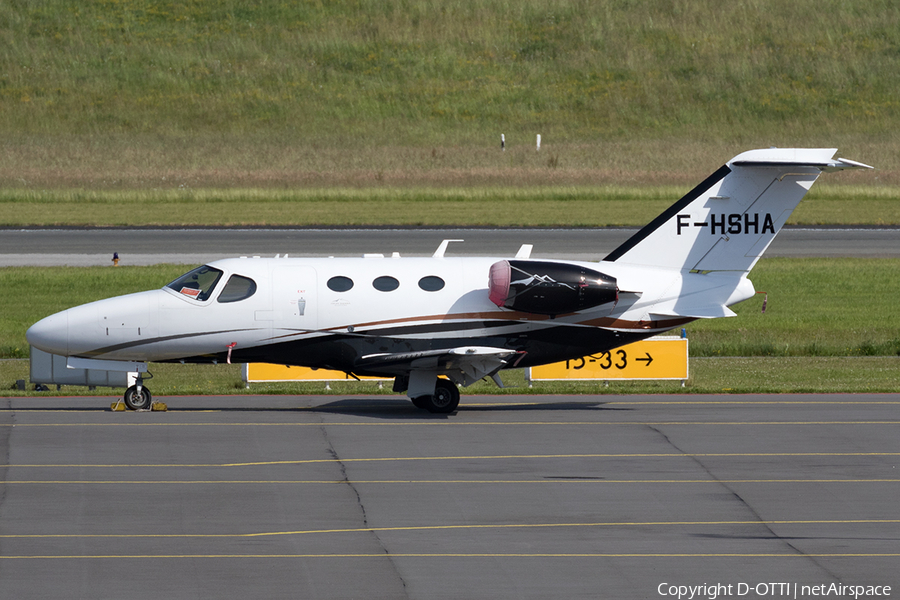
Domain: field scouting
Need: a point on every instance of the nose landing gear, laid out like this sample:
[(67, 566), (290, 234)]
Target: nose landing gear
[(137, 397)]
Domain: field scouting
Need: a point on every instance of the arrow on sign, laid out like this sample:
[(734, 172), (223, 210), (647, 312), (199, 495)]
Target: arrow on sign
[(648, 360)]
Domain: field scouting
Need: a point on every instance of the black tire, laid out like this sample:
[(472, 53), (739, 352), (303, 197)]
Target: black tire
[(421, 402), (445, 399), (136, 401)]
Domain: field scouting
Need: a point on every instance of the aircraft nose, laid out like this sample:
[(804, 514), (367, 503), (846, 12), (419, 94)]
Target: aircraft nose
[(51, 334)]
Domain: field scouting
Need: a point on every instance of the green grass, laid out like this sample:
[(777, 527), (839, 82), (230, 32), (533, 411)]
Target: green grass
[(738, 375), (484, 206), (150, 93), (816, 307), (570, 206), (420, 70)]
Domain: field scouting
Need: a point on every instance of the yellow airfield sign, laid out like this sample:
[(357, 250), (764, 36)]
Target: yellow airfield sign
[(653, 358), (261, 372)]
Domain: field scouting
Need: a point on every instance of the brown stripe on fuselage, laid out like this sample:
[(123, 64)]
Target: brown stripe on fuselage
[(515, 317)]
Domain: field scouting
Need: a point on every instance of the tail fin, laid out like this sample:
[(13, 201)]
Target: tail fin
[(728, 221)]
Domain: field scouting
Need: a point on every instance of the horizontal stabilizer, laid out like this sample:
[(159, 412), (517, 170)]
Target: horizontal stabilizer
[(699, 312), (801, 159)]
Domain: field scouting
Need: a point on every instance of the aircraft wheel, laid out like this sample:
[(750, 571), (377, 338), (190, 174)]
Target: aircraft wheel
[(421, 401), (445, 399), (138, 401)]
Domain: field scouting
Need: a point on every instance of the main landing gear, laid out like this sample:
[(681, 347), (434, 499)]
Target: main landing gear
[(444, 400)]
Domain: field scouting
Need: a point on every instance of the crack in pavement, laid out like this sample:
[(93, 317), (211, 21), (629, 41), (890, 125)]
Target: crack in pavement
[(362, 507), (8, 421), (763, 522)]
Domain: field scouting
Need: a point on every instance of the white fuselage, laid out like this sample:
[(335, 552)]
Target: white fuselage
[(294, 307)]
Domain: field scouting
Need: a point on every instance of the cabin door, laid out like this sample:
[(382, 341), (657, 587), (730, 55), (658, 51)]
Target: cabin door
[(294, 302)]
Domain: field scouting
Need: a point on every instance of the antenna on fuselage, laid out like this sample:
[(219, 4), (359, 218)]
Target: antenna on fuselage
[(439, 253), (525, 251)]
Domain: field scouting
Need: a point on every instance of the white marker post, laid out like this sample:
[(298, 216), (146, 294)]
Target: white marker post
[(538, 142), (503, 142)]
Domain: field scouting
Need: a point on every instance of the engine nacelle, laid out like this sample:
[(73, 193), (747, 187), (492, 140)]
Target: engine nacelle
[(549, 288)]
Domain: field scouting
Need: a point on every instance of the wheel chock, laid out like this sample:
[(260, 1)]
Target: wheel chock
[(120, 407)]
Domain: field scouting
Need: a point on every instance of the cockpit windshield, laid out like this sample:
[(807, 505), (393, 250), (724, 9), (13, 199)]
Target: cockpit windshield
[(198, 284)]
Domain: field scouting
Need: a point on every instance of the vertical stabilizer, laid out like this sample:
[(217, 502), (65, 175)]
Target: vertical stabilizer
[(728, 221)]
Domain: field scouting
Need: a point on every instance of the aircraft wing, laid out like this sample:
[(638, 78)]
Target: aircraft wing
[(464, 365)]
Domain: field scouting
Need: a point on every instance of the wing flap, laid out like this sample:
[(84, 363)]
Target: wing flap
[(464, 365)]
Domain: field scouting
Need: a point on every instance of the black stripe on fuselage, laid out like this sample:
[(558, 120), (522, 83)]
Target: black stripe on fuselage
[(668, 214), (135, 343)]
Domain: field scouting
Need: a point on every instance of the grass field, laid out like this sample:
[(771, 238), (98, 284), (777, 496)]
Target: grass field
[(570, 206), (734, 375), (143, 94), (418, 71)]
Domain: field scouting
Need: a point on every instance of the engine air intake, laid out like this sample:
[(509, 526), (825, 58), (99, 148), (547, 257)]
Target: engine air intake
[(549, 288)]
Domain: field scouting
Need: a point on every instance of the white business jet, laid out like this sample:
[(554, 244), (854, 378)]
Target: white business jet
[(416, 319)]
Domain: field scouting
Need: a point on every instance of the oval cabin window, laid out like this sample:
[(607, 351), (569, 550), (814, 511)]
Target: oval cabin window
[(386, 283), (340, 283), (431, 283)]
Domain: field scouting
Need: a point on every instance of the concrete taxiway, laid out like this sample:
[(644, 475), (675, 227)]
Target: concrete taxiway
[(511, 497)]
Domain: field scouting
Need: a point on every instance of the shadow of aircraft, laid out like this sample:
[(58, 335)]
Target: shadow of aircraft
[(379, 407)]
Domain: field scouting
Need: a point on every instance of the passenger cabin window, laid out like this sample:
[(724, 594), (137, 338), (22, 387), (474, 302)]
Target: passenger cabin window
[(340, 283), (431, 283), (198, 284), (386, 284), (238, 288)]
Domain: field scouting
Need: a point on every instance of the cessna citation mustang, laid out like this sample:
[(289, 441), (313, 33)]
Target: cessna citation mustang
[(416, 319)]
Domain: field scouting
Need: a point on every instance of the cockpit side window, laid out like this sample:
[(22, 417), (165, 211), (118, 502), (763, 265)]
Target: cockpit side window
[(238, 288), (198, 284)]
